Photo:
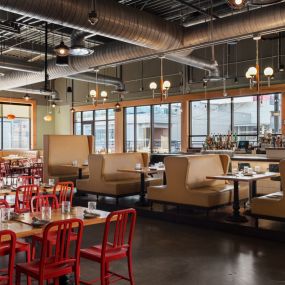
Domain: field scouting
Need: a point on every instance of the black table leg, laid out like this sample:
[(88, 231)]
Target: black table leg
[(143, 201), (164, 178), (253, 189), (80, 173), (236, 217)]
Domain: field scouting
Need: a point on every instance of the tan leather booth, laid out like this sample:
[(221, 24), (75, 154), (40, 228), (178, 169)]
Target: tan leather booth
[(187, 183), (106, 180), (61, 150), (273, 204)]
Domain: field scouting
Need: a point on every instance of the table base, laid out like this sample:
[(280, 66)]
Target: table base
[(143, 203), (237, 219)]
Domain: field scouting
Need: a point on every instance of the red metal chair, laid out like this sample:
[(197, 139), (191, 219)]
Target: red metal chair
[(40, 201), (117, 245), (10, 173), (24, 196), (7, 247), (63, 261), (26, 180), (18, 246), (64, 191)]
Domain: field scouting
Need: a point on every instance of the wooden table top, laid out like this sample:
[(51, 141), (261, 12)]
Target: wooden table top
[(12, 191), (145, 170), (82, 166), (23, 228), (243, 178)]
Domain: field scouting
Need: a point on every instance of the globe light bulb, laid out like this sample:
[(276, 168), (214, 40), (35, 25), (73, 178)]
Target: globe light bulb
[(152, 85), (93, 93), (268, 71), (104, 94), (166, 85), (252, 71)]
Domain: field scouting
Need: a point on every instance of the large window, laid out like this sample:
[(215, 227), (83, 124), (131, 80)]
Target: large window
[(101, 124), (15, 134), (248, 117), (155, 128)]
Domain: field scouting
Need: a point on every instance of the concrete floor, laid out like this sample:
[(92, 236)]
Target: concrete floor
[(167, 254)]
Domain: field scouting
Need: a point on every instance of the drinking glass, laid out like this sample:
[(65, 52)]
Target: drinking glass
[(46, 213), (65, 207), (51, 182), (257, 168), (92, 207), (5, 215), (138, 166)]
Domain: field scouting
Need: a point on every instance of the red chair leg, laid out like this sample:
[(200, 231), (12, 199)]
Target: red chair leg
[(28, 258), (77, 275), (18, 277), (130, 268), (33, 249), (107, 279), (103, 274)]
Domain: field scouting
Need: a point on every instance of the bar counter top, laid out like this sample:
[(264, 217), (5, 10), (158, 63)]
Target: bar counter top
[(254, 158)]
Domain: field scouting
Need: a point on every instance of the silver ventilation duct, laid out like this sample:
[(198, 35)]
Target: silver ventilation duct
[(33, 91), (13, 63), (100, 79), (114, 21)]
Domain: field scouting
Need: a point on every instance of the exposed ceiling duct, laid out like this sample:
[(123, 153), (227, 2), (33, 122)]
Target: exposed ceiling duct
[(33, 91), (99, 79), (78, 47), (136, 27), (13, 63)]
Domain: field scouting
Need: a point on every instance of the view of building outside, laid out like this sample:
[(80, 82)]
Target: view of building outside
[(162, 134), (16, 133), (243, 120), (101, 124)]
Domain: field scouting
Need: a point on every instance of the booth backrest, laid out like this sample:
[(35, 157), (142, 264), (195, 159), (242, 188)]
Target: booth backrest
[(63, 149), (200, 166), (113, 162)]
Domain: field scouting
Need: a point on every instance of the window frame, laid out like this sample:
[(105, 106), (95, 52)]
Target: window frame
[(258, 113), (151, 126)]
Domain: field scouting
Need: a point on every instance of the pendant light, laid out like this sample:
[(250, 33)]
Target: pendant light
[(10, 115), (72, 110), (92, 16)]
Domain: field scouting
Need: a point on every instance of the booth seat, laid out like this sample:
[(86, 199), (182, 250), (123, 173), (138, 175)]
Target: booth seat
[(106, 180), (60, 151), (271, 205), (187, 183)]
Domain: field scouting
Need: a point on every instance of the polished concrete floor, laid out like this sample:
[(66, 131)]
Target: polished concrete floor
[(172, 254)]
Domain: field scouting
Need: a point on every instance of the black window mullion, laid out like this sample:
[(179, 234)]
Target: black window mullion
[(151, 127), (107, 130), (208, 117), (258, 116), (135, 129)]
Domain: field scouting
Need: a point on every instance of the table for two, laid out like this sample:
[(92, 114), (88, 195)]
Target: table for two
[(236, 179)]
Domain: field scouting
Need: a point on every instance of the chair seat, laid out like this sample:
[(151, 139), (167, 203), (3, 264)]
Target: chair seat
[(52, 269), (94, 253)]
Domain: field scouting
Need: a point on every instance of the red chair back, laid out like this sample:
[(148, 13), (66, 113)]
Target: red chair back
[(4, 204), (62, 254), (26, 180), (7, 167), (7, 245), (64, 191), (40, 201), (24, 196), (123, 233)]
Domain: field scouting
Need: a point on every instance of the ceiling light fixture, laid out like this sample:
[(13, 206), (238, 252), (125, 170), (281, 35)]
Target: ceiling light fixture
[(27, 97), (268, 72), (104, 94), (61, 49), (164, 85), (92, 16), (72, 110), (117, 107), (237, 4), (80, 51), (48, 118), (53, 104)]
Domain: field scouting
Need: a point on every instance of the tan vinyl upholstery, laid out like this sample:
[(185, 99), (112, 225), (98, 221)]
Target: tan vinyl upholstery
[(187, 183), (60, 150), (106, 180), (272, 205)]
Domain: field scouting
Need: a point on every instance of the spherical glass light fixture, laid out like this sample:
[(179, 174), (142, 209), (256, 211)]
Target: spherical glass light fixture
[(153, 86), (252, 71), (104, 94), (166, 85), (268, 71), (93, 93), (247, 75)]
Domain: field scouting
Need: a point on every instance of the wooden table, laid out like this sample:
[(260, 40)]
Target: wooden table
[(12, 191), (79, 168), (23, 225), (14, 158), (142, 172), (236, 216)]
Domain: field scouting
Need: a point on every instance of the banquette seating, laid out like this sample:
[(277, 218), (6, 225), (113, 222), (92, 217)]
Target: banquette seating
[(59, 153), (106, 180), (271, 206), (187, 183)]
